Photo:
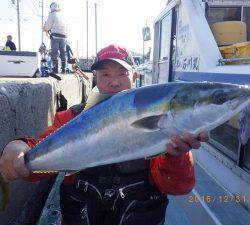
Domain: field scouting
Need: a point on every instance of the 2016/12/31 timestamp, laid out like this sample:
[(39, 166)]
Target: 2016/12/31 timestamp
[(217, 198)]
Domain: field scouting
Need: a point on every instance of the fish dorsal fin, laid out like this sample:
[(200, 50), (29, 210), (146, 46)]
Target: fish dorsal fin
[(148, 124)]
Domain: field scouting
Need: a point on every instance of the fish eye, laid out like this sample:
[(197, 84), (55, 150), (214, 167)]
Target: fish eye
[(219, 97)]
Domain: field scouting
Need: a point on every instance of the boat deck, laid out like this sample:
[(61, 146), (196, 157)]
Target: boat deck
[(207, 204)]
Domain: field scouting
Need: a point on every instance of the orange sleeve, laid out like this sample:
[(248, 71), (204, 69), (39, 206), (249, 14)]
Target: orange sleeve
[(60, 119), (173, 174)]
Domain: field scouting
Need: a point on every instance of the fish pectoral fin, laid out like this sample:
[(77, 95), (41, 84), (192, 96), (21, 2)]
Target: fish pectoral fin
[(148, 124)]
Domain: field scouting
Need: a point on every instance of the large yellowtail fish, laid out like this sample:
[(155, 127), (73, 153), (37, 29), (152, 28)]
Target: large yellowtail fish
[(137, 123)]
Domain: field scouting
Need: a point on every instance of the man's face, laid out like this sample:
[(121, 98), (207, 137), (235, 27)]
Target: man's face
[(111, 77)]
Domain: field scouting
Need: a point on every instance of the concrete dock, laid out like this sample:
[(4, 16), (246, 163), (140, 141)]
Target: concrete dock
[(27, 108)]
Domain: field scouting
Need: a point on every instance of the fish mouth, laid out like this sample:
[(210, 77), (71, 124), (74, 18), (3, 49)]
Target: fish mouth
[(239, 103)]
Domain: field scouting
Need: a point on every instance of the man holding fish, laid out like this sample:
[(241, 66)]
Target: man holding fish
[(121, 193)]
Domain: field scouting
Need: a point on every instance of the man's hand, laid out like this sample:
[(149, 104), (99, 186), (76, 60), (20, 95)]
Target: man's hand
[(12, 161), (46, 31), (186, 143)]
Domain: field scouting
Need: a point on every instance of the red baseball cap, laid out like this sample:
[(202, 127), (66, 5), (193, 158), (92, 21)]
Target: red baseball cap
[(116, 53)]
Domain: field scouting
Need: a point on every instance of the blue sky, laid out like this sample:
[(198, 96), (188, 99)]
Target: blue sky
[(119, 21)]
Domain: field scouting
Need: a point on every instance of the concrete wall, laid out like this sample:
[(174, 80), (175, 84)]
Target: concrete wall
[(28, 105), (27, 108)]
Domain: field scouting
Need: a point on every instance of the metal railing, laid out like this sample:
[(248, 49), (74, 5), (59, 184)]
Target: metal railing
[(223, 61)]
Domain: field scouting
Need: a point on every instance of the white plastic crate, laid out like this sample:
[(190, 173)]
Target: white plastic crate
[(18, 63)]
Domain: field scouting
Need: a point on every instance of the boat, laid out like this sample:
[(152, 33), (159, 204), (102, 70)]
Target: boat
[(208, 41)]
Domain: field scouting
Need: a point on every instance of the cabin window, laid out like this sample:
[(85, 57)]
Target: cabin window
[(225, 138), (231, 28), (220, 14), (165, 46), (246, 19), (165, 38)]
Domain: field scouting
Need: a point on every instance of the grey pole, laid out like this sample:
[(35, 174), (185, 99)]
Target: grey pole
[(42, 20), (143, 51), (18, 26), (87, 19), (95, 28)]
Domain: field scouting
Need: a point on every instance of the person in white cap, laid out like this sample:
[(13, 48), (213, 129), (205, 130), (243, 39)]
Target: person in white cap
[(55, 27)]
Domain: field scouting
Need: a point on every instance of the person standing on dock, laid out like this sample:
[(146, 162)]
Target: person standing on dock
[(10, 45), (69, 52), (70, 59), (55, 27)]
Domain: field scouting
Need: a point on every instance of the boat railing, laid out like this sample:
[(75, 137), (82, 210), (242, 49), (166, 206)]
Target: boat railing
[(224, 61)]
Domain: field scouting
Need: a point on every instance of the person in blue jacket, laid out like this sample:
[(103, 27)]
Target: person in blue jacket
[(10, 44)]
